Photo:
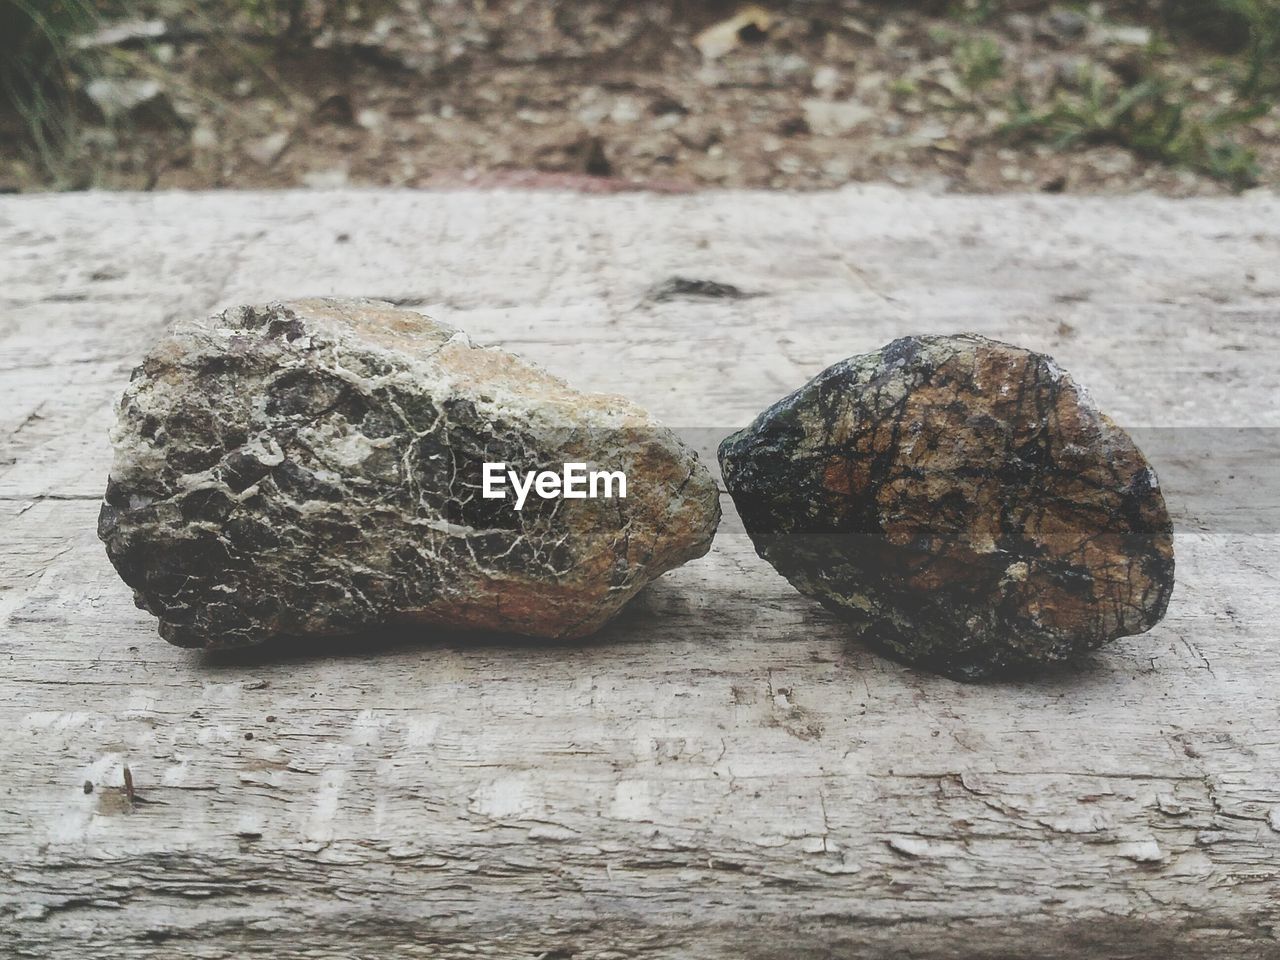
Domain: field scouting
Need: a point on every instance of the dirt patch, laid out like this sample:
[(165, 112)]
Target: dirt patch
[(674, 95)]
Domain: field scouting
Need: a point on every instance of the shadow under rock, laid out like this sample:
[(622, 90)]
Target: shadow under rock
[(633, 625), (1045, 677), (662, 612)]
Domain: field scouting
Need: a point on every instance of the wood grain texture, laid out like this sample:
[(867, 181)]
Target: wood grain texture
[(721, 772)]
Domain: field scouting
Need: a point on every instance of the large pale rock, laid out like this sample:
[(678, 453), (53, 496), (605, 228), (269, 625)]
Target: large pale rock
[(315, 468), (961, 498)]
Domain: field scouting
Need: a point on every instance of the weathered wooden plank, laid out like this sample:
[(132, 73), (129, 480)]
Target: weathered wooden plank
[(720, 773)]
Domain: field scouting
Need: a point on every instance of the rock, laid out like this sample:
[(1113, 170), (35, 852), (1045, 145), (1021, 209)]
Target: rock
[(1066, 24), (315, 468), (1133, 36), (826, 79), (136, 101), (125, 33), (963, 500), (371, 120), (833, 118), (337, 109), (749, 25), (204, 138), (265, 151), (583, 154), (1021, 25), (333, 178)]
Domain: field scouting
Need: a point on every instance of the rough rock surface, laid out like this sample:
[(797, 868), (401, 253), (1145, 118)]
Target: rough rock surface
[(315, 468), (962, 498)]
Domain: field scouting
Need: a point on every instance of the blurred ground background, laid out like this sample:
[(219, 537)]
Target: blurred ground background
[(1174, 96)]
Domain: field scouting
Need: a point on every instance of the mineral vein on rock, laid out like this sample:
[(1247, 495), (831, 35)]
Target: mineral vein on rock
[(961, 498), (314, 468)]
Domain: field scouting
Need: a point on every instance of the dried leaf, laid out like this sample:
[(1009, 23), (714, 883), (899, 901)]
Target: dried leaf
[(719, 38)]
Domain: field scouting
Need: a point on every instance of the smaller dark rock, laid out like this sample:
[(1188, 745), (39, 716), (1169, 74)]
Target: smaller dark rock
[(961, 499)]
